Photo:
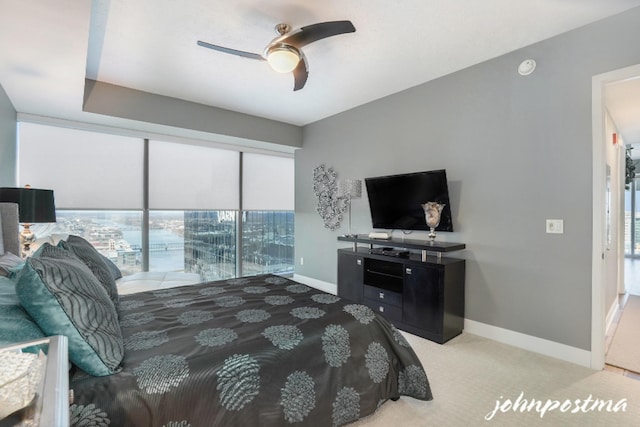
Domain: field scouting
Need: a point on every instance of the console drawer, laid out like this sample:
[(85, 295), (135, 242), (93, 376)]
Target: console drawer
[(391, 312), (383, 296)]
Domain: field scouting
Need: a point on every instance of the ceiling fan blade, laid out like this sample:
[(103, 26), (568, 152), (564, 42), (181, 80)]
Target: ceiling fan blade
[(231, 51), (300, 74), (315, 32)]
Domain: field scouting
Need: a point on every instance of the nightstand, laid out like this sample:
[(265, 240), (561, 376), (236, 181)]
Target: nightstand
[(34, 383)]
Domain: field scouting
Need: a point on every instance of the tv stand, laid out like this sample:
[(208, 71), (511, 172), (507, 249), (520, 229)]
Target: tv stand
[(421, 293), (425, 247)]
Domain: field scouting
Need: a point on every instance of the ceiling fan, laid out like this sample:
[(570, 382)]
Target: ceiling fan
[(284, 53)]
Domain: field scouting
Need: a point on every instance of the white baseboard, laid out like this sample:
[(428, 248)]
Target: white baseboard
[(529, 342), (331, 288), (506, 336)]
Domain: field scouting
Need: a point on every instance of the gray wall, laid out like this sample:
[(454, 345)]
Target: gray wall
[(517, 150), (119, 101), (7, 141)]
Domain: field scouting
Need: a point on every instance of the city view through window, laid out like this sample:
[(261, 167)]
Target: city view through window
[(202, 242)]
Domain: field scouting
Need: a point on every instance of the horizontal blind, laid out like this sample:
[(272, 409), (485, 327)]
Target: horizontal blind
[(86, 170), (193, 177), (267, 182)]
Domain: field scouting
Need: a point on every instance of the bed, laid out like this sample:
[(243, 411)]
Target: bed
[(261, 350)]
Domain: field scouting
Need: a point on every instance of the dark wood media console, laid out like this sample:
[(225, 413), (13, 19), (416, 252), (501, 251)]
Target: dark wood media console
[(422, 293)]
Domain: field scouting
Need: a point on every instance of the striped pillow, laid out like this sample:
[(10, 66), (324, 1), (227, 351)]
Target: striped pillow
[(96, 263), (64, 298)]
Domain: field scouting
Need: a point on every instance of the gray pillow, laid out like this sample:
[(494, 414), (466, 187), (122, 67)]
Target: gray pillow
[(64, 298), (96, 263), (113, 269), (7, 262)]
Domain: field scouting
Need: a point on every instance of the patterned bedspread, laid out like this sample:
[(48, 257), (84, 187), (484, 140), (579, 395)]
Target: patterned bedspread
[(258, 351)]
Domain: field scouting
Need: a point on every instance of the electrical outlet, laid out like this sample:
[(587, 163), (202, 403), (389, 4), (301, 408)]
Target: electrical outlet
[(301, 261), (555, 226)]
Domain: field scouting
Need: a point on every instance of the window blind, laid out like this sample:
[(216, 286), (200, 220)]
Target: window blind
[(192, 177), (267, 182), (86, 170), (95, 170)]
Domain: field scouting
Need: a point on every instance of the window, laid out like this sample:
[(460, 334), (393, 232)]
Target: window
[(187, 215), (212, 249), (267, 222), (115, 234), (267, 242), (205, 181)]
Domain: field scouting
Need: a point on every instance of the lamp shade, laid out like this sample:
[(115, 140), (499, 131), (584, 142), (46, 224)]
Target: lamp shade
[(351, 188), (34, 205)]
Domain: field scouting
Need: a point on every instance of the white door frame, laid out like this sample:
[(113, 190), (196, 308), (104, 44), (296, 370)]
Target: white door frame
[(598, 310)]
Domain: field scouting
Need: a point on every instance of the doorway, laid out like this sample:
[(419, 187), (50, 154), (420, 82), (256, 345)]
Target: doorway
[(600, 308)]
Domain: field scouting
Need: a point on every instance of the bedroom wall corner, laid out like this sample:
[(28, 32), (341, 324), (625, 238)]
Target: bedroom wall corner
[(8, 149), (331, 288)]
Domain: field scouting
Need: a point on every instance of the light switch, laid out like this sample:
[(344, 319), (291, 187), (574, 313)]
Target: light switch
[(555, 226)]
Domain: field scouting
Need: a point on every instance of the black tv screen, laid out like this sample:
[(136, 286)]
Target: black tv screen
[(395, 200)]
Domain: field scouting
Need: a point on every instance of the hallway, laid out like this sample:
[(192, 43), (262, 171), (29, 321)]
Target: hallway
[(632, 283), (632, 275)]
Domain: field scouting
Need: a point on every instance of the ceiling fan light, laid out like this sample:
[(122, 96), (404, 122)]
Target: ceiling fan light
[(283, 59)]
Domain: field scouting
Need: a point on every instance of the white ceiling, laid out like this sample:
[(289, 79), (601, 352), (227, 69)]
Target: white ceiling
[(47, 48)]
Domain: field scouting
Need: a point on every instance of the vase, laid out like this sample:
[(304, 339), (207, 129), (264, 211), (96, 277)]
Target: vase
[(432, 212)]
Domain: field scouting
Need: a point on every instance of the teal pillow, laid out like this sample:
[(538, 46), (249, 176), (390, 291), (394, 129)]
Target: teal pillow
[(64, 298), (15, 323), (96, 263)]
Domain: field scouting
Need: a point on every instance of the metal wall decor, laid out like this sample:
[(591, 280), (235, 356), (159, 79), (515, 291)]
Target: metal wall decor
[(331, 205)]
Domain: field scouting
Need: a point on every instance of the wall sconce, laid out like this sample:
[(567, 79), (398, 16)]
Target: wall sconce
[(350, 189), (34, 206)]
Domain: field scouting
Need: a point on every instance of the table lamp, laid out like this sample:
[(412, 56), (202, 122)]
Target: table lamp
[(351, 189), (34, 206)]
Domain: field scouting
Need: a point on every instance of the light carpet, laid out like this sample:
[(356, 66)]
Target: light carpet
[(624, 351), (469, 374)]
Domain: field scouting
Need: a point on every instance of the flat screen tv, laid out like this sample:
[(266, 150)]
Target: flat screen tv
[(395, 200)]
